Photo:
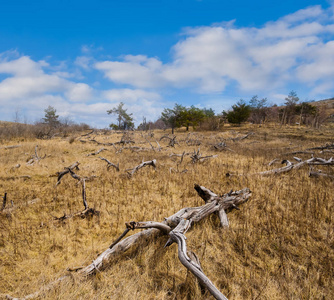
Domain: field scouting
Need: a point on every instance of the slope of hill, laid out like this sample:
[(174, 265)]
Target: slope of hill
[(279, 245)]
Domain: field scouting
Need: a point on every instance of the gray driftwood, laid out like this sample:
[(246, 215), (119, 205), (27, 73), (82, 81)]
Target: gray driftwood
[(173, 227), (152, 163), (197, 156), (110, 164), (87, 212), (314, 161)]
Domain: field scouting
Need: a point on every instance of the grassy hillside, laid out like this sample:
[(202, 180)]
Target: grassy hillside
[(280, 244)]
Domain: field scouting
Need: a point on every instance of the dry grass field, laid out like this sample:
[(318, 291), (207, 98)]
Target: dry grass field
[(279, 245)]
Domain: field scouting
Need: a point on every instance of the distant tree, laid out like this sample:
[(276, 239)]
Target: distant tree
[(125, 120), (208, 112), (258, 109), (192, 116), (292, 99), (307, 112), (289, 111), (239, 113), (50, 117), (173, 117)]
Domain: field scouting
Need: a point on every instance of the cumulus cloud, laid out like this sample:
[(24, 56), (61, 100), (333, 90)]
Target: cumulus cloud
[(139, 71), (129, 95), (33, 86), (79, 92), (213, 62), (209, 59)]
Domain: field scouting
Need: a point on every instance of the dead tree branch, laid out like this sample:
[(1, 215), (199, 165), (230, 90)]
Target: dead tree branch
[(143, 164), (197, 156), (110, 164), (67, 170), (240, 138), (87, 212), (35, 157), (97, 152), (179, 238), (290, 166), (172, 141), (175, 226)]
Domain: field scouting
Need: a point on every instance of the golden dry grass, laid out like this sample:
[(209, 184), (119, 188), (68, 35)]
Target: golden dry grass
[(280, 245)]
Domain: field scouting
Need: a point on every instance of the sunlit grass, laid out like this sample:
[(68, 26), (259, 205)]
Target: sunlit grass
[(280, 245)]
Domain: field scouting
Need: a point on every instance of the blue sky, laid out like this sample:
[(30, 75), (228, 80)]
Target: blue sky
[(84, 57)]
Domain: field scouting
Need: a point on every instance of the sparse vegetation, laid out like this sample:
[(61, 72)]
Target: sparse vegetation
[(280, 245)]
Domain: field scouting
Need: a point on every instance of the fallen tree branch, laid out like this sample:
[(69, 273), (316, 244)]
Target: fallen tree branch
[(143, 164), (290, 166), (172, 141), (197, 156), (67, 170), (11, 147), (35, 158), (110, 164), (87, 210), (179, 238), (97, 152), (176, 226), (241, 137)]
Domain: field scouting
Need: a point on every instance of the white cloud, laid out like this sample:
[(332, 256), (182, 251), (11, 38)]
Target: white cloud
[(83, 62), (79, 92), (215, 61), (210, 58), (138, 71), (128, 95)]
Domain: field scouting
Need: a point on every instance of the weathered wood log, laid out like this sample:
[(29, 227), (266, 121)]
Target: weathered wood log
[(221, 147), (87, 210), (15, 177), (178, 237), (241, 137), (35, 157), (11, 147), (143, 164), (176, 226), (197, 156), (66, 171), (97, 152), (110, 164), (290, 166), (172, 140)]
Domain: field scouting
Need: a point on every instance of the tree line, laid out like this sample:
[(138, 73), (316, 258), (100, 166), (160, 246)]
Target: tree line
[(256, 110)]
